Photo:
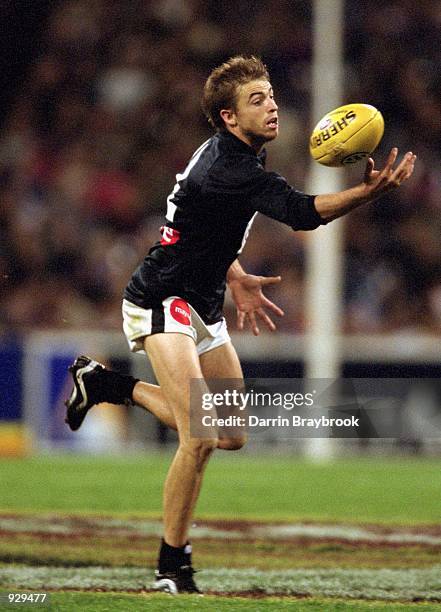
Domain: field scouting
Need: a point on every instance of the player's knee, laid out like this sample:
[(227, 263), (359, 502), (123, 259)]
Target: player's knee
[(233, 444), (239, 442)]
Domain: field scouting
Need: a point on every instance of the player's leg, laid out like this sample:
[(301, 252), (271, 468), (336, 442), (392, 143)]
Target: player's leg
[(175, 362), (94, 384), (151, 398), (219, 363), (223, 363)]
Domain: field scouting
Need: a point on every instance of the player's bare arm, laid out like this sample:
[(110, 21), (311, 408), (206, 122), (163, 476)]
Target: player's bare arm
[(375, 184), (247, 294)]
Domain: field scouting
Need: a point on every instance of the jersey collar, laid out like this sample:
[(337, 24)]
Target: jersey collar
[(239, 145)]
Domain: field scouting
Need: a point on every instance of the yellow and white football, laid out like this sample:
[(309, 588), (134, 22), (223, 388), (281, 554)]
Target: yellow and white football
[(346, 135)]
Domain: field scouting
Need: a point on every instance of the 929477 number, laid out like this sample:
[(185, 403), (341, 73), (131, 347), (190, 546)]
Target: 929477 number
[(26, 598)]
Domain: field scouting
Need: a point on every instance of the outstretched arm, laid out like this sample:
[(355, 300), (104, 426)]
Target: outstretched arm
[(375, 184), (246, 291)]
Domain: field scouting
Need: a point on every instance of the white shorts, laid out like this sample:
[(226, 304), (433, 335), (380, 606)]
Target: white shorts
[(176, 315)]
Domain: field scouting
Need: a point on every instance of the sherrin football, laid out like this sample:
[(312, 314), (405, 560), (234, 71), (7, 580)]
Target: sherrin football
[(346, 135)]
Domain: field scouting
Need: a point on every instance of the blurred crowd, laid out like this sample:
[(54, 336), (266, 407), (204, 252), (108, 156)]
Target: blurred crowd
[(110, 112)]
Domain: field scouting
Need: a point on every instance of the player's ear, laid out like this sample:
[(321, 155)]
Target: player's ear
[(229, 116)]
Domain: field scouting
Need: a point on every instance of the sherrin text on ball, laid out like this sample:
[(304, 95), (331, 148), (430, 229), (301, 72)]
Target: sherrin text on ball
[(346, 135)]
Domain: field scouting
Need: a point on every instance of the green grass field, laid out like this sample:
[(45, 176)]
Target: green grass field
[(270, 533)]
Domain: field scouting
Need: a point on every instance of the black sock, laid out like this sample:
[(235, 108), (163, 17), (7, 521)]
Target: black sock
[(171, 558), (112, 387)]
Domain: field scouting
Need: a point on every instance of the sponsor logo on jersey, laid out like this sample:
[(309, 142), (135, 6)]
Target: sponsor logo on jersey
[(169, 235), (180, 311)]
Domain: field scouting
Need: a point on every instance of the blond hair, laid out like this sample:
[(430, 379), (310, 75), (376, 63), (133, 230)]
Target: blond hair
[(220, 89)]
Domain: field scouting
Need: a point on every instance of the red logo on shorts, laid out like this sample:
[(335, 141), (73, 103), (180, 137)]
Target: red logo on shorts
[(180, 311)]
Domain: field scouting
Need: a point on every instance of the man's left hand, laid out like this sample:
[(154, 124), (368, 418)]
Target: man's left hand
[(251, 303)]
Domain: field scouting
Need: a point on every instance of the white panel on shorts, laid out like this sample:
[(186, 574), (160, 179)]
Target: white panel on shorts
[(135, 319), (137, 323)]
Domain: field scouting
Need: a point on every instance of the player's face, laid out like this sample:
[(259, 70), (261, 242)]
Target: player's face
[(256, 113)]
